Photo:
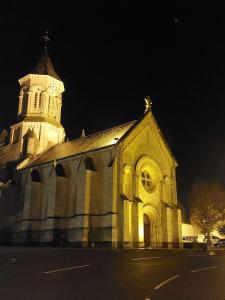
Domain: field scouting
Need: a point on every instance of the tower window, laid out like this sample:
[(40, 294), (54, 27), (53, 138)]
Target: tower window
[(49, 101), (39, 100), (35, 99), (52, 103)]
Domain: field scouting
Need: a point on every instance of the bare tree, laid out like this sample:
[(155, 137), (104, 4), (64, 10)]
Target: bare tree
[(221, 229), (3, 137), (207, 206)]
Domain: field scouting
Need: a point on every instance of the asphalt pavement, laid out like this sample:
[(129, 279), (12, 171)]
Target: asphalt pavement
[(71, 273)]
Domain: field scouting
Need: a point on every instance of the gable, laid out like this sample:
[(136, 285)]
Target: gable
[(145, 138)]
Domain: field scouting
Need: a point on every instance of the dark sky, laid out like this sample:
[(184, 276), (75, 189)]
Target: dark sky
[(110, 56)]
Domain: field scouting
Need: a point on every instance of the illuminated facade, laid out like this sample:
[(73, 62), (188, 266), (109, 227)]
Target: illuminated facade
[(38, 124), (115, 188)]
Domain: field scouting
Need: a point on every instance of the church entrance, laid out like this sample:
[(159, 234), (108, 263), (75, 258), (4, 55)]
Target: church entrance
[(146, 231)]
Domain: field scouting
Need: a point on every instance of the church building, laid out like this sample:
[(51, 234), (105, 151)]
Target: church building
[(114, 188)]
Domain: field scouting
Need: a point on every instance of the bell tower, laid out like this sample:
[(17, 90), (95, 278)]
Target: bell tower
[(38, 125)]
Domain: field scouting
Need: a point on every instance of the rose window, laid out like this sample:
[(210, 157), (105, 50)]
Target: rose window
[(147, 181)]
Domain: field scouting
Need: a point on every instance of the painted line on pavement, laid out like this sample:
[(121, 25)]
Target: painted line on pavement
[(197, 255), (165, 282), (197, 270), (140, 258), (65, 269)]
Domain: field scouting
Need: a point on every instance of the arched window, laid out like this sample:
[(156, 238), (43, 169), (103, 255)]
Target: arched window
[(35, 176), (39, 100), (52, 103), (35, 99), (60, 170), (49, 101)]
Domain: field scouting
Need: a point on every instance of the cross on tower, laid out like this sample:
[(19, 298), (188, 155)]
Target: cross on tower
[(46, 38)]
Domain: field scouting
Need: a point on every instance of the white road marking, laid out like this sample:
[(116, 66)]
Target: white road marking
[(197, 270), (140, 258), (64, 269), (165, 282), (197, 255)]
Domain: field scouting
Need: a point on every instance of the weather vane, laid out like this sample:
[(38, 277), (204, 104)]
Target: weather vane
[(148, 103), (46, 38)]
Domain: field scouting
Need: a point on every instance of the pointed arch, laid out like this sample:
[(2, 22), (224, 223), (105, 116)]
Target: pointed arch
[(151, 220)]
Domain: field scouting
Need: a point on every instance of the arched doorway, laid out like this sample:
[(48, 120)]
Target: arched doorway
[(147, 231)]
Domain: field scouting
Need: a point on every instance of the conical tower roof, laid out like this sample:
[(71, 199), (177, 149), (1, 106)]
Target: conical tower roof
[(45, 66)]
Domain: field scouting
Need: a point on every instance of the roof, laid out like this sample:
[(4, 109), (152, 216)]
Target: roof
[(85, 144), (94, 142), (39, 119), (30, 134), (45, 66)]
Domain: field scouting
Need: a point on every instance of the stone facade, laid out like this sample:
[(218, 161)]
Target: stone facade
[(115, 188)]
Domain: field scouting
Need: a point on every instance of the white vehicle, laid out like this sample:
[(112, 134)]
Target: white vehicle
[(214, 240), (200, 238), (188, 239)]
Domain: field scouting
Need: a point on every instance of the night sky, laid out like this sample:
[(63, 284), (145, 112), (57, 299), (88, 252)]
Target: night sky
[(111, 56)]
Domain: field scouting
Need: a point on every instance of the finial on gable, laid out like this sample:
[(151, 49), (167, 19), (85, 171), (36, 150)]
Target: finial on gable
[(148, 104)]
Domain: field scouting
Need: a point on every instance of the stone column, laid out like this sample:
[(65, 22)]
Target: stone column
[(130, 205), (140, 224), (26, 203), (169, 226), (126, 223), (29, 102), (51, 192), (44, 103), (86, 208), (25, 226), (111, 206), (114, 204), (50, 224)]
